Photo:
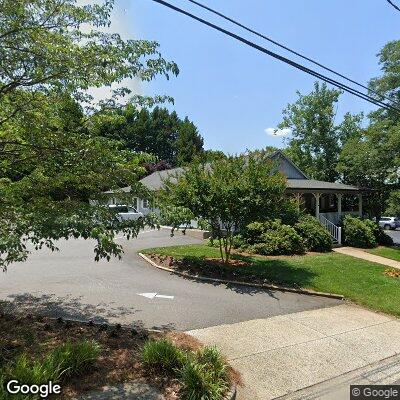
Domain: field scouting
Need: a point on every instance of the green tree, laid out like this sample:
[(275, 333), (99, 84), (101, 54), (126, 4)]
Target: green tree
[(393, 204), (388, 84), (157, 132), (370, 158), (51, 163), (228, 193), (315, 141), (372, 161), (189, 143)]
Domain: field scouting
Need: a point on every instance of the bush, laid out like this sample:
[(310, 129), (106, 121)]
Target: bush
[(271, 238), (162, 354), (358, 233), (380, 235), (315, 236)]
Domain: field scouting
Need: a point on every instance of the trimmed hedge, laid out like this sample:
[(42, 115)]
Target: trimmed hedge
[(315, 236)]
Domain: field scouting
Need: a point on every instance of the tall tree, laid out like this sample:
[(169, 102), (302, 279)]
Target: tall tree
[(313, 144), (189, 143), (45, 59), (372, 161), (157, 132), (388, 84), (371, 158)]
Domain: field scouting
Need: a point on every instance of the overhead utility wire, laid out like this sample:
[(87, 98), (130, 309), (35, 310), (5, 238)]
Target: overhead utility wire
[(281, 58), (394, 5), (289, 49)]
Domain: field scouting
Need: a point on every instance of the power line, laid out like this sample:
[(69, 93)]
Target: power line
[(289, 49), (281, 58), (393, 5)]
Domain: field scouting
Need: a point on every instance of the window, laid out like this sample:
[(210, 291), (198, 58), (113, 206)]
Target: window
[(146, 203)]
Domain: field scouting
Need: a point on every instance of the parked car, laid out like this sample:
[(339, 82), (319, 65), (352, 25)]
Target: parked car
[(389, 223), (125, 213)]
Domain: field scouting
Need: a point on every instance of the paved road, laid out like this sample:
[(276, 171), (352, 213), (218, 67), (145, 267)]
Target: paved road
[(70, 283), (395, 235)]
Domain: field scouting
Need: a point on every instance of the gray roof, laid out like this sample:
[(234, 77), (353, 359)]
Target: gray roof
[(154, 180), (312, 184)]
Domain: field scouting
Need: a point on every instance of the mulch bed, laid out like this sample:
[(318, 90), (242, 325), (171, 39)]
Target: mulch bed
[(231, 271), (120, 357)]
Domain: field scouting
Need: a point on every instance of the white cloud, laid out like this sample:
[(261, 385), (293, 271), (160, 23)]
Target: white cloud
[(278, 132)]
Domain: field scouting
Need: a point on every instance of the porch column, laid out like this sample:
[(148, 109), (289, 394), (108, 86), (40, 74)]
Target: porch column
[(339, 204), (317, 197), (360, 211), (298, 197)]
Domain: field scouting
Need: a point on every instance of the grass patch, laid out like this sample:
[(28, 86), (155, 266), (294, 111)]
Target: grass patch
[(162, 354), (202, 374), (358, 280), (389, 252)]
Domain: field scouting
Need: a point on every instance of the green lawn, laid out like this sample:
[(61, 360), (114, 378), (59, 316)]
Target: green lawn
[(358, 280), (388, 252)]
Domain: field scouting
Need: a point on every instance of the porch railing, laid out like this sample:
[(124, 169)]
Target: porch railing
[(335, 231)]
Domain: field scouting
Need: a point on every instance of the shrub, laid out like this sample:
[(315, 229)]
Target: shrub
[(271, 238), (253, 232), (315, 236), (380, 235), (358, 233), (162, 354)]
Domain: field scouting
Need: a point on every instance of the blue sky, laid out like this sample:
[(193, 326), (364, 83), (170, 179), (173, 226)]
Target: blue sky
[(234, 93)]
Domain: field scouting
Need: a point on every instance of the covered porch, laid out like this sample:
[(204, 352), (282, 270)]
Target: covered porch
[(328, 202), (332, 206)]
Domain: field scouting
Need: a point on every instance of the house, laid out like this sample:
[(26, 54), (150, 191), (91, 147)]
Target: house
[(327, 201)]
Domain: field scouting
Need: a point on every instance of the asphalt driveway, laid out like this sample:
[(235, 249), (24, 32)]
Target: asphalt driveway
[(395, 235), (70, 283)]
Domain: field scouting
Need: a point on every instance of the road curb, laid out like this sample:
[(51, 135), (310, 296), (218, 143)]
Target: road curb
[(256, 285)]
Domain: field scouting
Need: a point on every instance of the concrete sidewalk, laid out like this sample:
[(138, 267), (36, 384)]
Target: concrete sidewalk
[(283, 354), (358, 253)]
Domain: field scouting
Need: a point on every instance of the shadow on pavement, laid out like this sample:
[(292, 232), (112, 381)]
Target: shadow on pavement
[(73, 308)]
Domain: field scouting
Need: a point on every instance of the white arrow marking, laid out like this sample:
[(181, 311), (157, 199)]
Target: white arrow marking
[(153, 295), (163, 296), (148, 295)]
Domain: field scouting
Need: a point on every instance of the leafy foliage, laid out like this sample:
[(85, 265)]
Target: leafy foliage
[(270, 238), (51, 161), (358, 233), (315, 141), (228, 193), (393, 204), (372, 161), (315, 236), (158, 132)]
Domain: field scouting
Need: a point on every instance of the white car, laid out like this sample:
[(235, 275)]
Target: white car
[(125, 213), (389, 223)]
